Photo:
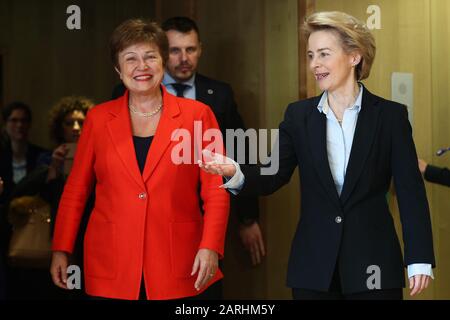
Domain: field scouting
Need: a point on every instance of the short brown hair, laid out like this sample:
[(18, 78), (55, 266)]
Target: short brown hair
[(134, 31), (354, 36), (61, 109)]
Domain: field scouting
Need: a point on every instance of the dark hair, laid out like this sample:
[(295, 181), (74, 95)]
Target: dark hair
[(16, 105), (180, 24), (134, 31), (61, 109)]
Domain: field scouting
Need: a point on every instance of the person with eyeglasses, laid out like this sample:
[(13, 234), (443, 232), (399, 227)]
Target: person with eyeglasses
[(47, 180), (18, 157)]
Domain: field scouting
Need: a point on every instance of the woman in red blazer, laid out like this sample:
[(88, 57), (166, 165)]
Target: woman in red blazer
[(147, 229)]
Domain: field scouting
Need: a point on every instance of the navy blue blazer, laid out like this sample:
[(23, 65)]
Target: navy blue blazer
[(356, 230)]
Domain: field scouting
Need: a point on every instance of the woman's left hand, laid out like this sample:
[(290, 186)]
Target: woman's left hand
[(418, 283), (206, 263)]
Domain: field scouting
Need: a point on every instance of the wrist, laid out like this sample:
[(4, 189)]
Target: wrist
[(247, 222)]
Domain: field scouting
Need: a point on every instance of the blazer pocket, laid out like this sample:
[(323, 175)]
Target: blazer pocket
[(100, 248), (185, 240)]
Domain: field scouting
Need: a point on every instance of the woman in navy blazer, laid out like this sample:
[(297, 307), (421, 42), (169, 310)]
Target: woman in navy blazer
[(348, 144)]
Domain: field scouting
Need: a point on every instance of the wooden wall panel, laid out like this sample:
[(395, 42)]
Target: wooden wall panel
[(45, 61)]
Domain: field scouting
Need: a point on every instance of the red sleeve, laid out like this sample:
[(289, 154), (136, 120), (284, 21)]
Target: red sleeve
[(76, 191)]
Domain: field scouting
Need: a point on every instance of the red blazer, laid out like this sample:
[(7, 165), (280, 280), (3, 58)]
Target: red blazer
[(149, 224)]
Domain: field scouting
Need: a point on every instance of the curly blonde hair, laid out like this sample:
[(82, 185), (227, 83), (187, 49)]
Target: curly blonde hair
[(61, 109), (354, 36)]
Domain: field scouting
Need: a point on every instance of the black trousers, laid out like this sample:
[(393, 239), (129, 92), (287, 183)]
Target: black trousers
[(335, 293)]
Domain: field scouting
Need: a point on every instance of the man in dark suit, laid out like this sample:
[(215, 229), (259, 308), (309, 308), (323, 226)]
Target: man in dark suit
[(181, 79)]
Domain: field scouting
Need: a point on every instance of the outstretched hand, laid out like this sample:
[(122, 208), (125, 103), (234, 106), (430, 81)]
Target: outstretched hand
[(217, 164)]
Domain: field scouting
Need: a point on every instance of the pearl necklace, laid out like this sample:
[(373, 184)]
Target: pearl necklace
[(144, 114)]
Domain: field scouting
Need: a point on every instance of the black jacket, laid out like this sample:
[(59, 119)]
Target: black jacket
[(437, 175), (355, 230), (6, 172), (6, 169)]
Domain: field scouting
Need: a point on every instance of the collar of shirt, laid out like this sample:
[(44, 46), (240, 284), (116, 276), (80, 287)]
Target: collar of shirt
[(324, 107), (168, 80)]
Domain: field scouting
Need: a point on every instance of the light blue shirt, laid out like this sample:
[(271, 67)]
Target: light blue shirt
[(340, 137), (339, 146), (189, 93)]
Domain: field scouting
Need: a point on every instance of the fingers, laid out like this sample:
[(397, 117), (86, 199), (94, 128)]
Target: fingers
[(423, 283), (427, 282), (206, 263), (255, 253), (417, 284), (59, 276), (253, 241), (214, 157), (58, 269), (202, 274), (258, 248), (261, 245), (196, 265), (209, 167)]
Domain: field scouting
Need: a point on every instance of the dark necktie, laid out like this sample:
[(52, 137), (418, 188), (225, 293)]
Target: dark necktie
[(180, 88)]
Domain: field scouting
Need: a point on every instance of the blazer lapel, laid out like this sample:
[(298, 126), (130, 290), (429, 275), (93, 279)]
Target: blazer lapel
[(121, 134), (203, 93), (362, 142), (317, 137), (168, 123)]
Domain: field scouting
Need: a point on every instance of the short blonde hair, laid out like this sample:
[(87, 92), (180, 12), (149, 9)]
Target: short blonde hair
[(354, 36)]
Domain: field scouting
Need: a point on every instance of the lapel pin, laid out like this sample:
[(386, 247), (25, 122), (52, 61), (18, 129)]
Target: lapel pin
[(210, 91)]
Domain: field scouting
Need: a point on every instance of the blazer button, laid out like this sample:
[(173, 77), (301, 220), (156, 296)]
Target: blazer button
[(338, 219), (142, 195)]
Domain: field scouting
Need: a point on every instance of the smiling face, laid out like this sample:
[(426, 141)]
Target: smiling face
[(141, 68), (332, 67), (184, 53)]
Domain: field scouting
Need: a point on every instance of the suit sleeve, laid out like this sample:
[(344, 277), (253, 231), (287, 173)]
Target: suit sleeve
[(216, 201), (258, 182), (245, 207), (437, 175), (410, 188), (76, 191)]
